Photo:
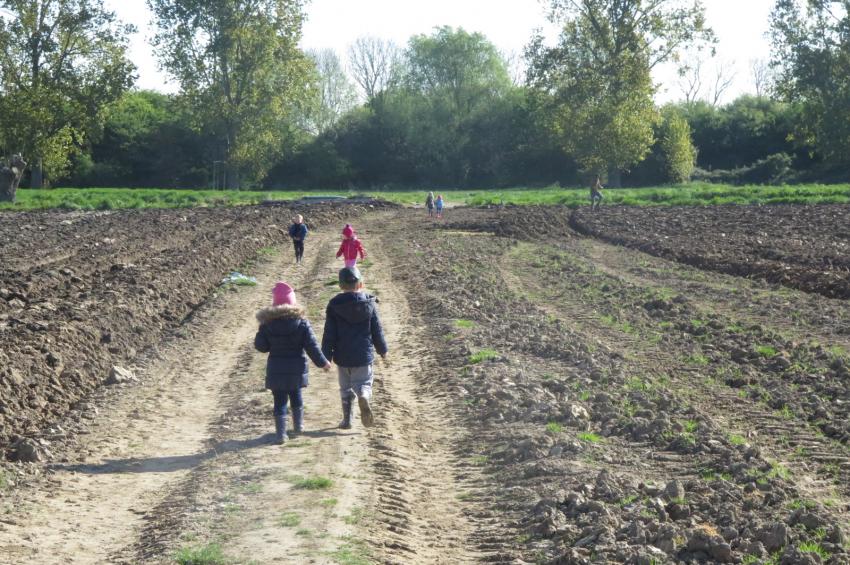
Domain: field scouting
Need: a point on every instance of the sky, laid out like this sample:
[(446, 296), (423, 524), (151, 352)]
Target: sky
[(740, 25)]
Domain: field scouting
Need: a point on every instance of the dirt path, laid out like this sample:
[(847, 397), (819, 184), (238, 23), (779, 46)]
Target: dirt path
[(181, 461)]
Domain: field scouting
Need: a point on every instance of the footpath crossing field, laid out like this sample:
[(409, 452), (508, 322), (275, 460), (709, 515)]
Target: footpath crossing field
[(561, 387)]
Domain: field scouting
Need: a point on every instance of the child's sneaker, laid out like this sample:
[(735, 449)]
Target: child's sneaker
[(366, 416)]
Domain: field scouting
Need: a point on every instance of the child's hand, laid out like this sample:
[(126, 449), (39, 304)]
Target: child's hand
[(327, 367)]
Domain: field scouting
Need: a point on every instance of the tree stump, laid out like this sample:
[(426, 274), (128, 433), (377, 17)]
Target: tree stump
[(10, 177)]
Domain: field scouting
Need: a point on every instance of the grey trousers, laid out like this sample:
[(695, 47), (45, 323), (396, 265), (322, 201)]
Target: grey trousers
[(355, 381)]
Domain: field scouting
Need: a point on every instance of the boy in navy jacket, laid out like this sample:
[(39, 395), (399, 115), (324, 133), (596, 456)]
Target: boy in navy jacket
[(298, 233), (352, 334)]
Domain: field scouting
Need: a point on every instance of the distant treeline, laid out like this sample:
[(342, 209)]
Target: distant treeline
[(148, 142), (447, 109)]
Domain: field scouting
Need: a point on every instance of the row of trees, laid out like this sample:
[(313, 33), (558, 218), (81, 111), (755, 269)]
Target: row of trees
[(446, 109)]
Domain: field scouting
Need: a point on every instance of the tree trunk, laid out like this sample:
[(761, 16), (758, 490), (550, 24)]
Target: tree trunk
[(37, 174), (10, 177), (615, 178)]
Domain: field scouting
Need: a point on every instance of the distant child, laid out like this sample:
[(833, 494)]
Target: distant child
[(439, 205), (350, 248), (352, 332), (298, 233), (429, 203), (285, 334), (596, 194)]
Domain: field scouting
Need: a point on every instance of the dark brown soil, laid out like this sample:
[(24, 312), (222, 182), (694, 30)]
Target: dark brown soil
[(802, 247)]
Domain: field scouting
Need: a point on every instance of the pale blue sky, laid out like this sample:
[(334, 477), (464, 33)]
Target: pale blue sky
[(740, 26)]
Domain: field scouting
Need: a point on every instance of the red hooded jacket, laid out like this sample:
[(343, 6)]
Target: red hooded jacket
[(350, 248)]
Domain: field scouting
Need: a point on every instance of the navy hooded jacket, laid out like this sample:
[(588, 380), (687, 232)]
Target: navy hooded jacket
[(285, 335), (353, 330), (298, 232)]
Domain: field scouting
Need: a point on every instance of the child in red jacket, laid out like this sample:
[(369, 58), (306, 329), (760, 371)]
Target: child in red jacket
[(350, 247)]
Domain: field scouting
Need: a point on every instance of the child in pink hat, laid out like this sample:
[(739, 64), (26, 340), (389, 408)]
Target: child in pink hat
[(286, 335), (351, 247)]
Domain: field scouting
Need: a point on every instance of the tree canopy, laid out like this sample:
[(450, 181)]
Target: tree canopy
[(61, 63), (240, 72)]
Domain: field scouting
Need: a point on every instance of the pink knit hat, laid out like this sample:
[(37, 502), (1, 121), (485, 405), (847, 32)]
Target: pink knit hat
[(348, 231), (283, 294)]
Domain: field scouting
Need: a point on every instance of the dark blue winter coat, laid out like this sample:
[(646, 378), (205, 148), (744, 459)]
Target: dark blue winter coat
[(353, 330), (298, 232), (286, 335)]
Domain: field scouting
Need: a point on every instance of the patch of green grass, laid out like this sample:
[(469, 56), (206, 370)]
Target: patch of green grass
[(352, 552), (289, 520), (767, 351), (207, 555), (304, 533), (737, 440), (356, 517), (813, 547), (480, 460), (638, 384), (585, 395), (712, 475), (328, 502), (690, 426), (267, 251), (313, 483), (694, 194), (786, 412), (590, 437), (778, 470), (464, 324), (252, 488), (697, 359), (483, 355), (554, 428), (628, 500)]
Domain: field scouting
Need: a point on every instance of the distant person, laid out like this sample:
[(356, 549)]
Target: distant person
[(596, 194), (429, 203), (351, 248), (285, 334), (352, 333), (298, 233), (438, 204)]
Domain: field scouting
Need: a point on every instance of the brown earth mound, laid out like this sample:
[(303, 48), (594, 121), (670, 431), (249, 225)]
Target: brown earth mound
[(799, 246)]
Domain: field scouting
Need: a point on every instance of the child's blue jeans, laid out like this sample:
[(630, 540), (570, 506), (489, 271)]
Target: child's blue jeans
[(281, 396)]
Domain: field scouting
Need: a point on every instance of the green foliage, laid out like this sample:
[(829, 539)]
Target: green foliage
[(590, 437), (207, 555), (595, 86), (313, 483), (554, 428), (677, 150), (693, 194), (241, 74), (464, 324), (812, 50), (61, 63), (289, 520), (483, 355)]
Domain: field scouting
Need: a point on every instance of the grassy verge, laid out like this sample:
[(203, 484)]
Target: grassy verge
[(691, 194)]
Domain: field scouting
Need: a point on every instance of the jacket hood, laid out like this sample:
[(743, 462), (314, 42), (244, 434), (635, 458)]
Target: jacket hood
[(284, 312), (354, 307)]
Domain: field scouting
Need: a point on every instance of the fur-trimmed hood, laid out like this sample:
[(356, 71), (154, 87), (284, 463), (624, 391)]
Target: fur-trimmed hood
[(284, 312)]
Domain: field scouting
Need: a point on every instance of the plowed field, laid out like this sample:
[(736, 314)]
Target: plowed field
[(549, 397)]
